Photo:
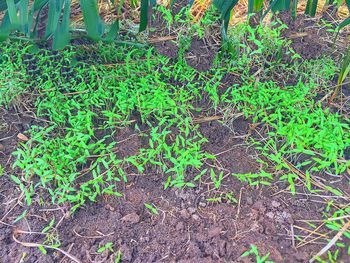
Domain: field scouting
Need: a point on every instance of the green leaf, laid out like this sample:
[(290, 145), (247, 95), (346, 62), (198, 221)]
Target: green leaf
[(93, 22), (5, 28), (281, 5), (245, 254), (344, 23), (15, 179), (152, 209), (61, 36), (21, 216), (55, 9), (118, 257), (12, 11), (347, 2), (23, 15), (255, 6), (144, 15), (42, 249), (294, 8), (225, 7), (311, 7), (113, 31)]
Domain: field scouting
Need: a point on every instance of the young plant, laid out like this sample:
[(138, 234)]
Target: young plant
[(258, 259), (152, 209)]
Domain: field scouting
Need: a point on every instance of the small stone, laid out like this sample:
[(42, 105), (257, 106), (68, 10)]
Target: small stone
[(214, 232), (202, 204), (191, 210), (259, 206), (179, 226), (131, 218), (195, 217), (145, 239), (270, 215), (2, 147), (182, 195), (301, 256), (126, 253), (275, 204), (184, 214), (250, 200)]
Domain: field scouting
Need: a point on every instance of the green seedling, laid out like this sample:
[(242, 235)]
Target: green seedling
[(152, 209), (258, 259), (216, 179), (255, 179), (2, 170), (109, 247)]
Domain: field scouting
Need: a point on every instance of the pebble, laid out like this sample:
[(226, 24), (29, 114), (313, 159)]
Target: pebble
[(275, 204), (184, 214), (195, 217), (126, 253), (214, 232), (202, 204), (131, 218), (270, 215), (191, 210), (2, 147), (250, 200), (179, 226)]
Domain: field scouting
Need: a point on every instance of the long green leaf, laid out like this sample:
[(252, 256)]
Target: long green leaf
[(311, 7), (113, 32), (281, 5), (347, 2), (255, 6), (38, 7), (55, 10), (5, 27), (23, 14), (343, 24), (38, 4), (225, 7), (61, 37), (93, 22), (144, 15), (3, 4), (12, 11), (294, 8)]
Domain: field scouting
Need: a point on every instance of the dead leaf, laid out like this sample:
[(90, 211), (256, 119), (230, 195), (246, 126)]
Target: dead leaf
[(22, 137)]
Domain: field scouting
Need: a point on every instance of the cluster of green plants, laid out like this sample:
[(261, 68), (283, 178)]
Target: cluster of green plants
[(253, 251), (74, 157), (299, 128)]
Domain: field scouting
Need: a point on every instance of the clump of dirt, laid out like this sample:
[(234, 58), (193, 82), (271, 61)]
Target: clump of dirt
[(307, 38)]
